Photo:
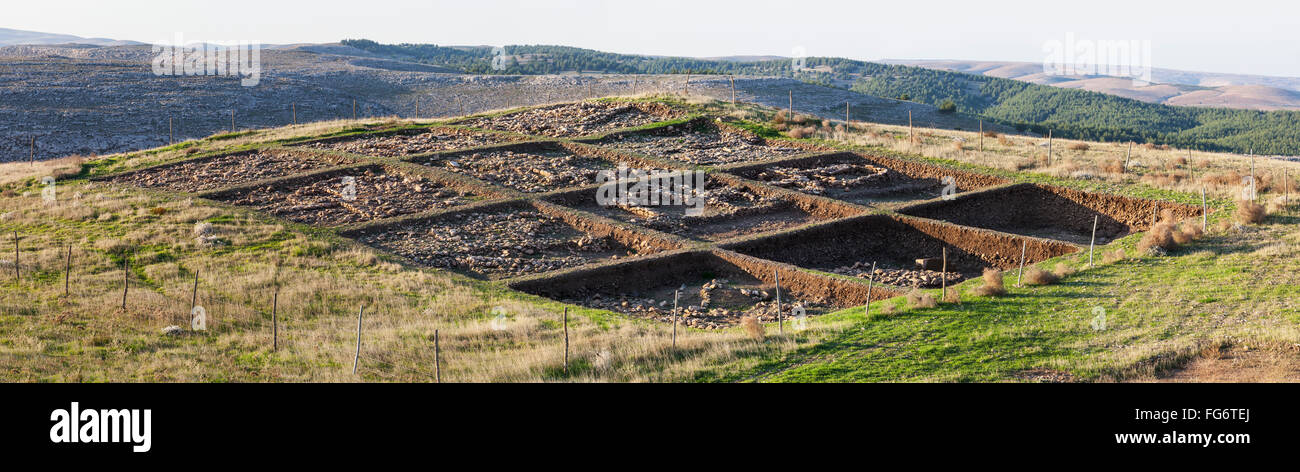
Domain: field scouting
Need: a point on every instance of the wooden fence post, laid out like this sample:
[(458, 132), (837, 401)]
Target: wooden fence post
[(67, 273), (357, 358), (733, 89), (32, 157), (910, 133), (871, 282), (1205, 215), (171, 131), (566, 341), (295, 112), (232, 121), (1092, 243), (194, 296), (126, 264), (981, 135), (275, 321), (676, 293), (1023, 246), (943, 276), (17, 277), (780, 319), (437, 357), (354, 109)]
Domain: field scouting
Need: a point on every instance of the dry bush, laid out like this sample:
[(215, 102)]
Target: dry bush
[(1187, 233), (1222, 178), (952, 297), (1005, 141), (1202, 163), (1113, 256), (1164, 179), (800, 133), (1249, 212), (992, 284), (919, 299), (1078, 147), (1113, 166), (779, 118), (1178, 161), (1063, 270), (1160, 238), (992, 134), (753, 328), (958, 146), (1036, 276), (1224, 226)]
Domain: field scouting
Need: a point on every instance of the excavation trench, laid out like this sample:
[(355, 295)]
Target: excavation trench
[(507, 239), (1051, 212), (715, 289), (866, 180), (907, 252)]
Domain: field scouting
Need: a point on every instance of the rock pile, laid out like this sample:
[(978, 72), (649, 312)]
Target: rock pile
[(372, 195), (816, 180), (899, 277), (577, 119)]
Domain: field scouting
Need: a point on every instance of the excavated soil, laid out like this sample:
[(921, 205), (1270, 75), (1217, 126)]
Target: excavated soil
[(497, 243), (413, 142), (528, 169), (895, 245), (212, 173), (577, 119), (704, 143), (1050, 212), (730, 211), (327, 199)]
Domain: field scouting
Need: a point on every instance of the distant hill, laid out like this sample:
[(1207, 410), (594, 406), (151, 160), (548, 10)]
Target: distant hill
[(1170, 87), (12, 37)]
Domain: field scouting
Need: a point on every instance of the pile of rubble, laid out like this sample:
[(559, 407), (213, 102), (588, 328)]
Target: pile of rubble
[(816, 180), (528, 172), (899, 277), (498, 243), (224, 171), (433, 140), (699, 308), (366, 196), (577, 119), (704, 147)]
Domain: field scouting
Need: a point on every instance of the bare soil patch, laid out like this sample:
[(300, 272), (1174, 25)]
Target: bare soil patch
[(211, 173), (497, 243), (350, 196), (577, 119), (413, 142), (702, 142)]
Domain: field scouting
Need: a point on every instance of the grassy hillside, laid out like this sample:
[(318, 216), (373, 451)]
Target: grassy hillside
[(1235, 287)]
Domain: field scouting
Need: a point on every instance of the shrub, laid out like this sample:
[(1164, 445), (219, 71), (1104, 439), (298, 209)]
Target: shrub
[(919, 299), (992, 134), (1113, 166), (753, 328), (1249, 212), (1159, 239), (1113, 257), (158, 211), (1036, 276), (952, 296), (992, 284), (779, 118), (1063, 270), (958, 146), (1078, 147), (947, 106)]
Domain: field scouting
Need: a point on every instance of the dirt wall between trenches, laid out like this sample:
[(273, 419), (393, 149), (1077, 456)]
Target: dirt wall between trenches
[(640, 240)]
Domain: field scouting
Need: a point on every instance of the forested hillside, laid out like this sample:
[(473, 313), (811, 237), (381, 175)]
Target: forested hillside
[(1068, 113)]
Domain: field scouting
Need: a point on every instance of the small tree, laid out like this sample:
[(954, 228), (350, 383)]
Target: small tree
[(948, 106)]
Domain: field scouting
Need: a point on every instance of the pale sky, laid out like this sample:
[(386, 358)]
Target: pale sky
[(1240, 36)]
